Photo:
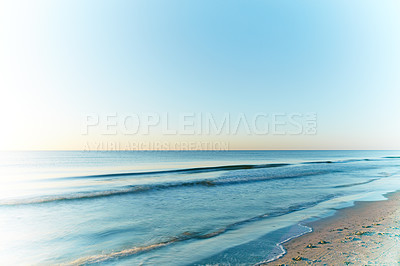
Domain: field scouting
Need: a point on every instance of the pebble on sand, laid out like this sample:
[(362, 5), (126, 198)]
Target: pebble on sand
[(298, 258)]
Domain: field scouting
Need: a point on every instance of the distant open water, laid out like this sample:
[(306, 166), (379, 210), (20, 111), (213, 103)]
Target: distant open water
[(176, 208)]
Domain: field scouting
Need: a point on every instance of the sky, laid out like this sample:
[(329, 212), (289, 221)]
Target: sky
[(64, 61)]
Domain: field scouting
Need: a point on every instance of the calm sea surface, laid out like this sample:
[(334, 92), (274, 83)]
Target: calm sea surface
[(175, 208)]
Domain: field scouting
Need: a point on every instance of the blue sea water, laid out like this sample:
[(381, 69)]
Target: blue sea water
[(176, 207)]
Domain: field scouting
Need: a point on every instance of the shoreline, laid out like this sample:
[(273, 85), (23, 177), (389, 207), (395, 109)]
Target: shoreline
[(366, 233)]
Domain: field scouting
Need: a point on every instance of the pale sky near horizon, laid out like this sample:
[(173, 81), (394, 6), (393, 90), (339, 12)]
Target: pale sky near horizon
[(63, 60)]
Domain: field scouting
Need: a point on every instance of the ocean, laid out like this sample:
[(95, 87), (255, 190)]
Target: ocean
[(176, 207)]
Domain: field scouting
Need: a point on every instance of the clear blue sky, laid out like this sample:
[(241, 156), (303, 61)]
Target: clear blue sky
[(61, 60)]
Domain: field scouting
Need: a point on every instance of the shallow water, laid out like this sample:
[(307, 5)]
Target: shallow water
[(175, 208)]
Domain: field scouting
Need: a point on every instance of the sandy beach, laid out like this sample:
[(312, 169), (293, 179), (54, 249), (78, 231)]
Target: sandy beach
[(366, 234)]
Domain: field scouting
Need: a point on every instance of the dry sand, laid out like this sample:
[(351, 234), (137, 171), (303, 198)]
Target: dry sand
[(366, 234)]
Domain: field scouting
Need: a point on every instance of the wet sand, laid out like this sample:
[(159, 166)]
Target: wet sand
[(365, 234)]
